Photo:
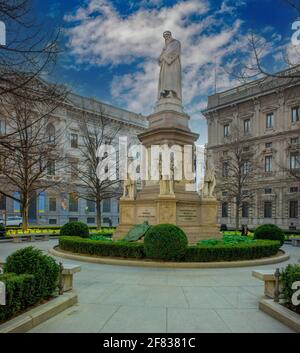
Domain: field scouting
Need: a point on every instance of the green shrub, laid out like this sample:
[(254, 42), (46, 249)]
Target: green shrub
[(165, 242), (102, 248), (289, 275), (199, 253), (231, 252), (32, 261), (18, 294), (269, 232), (227, 239), (100, 237), (75, 229)]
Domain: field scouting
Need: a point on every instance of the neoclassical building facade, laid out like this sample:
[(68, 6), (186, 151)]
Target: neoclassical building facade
[(59, 204), (267, 116)]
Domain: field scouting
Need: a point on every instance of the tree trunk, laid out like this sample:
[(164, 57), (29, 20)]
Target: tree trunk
[(25, 216), (98, 213), (237, 218)]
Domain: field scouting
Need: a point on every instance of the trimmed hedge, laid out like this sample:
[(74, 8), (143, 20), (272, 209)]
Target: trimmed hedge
[(165, 242), (289, 275), (197, 253), (32, 261), (102, 248), (19, 294), (76, 229), (269, 232), (232, 252)]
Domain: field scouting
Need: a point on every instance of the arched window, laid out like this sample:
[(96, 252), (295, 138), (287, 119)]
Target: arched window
[(50, 132)]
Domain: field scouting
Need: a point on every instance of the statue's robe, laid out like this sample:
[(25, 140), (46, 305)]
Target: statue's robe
[(170, 69)]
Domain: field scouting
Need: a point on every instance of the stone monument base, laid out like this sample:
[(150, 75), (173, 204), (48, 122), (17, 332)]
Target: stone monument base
[(197, 216), (187, 210)]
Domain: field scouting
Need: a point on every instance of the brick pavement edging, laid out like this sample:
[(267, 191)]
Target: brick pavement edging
[(280, 257), (31, 318)]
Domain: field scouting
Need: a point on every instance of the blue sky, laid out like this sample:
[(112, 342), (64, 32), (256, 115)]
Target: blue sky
[(111, 46)]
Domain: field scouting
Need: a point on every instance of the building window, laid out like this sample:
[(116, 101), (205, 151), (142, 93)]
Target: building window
[(73, 203), (294, 160), (270, 120), (74, 140), (74, 170), (268, 191), (73, 219), (268, 209), (2, 127), (2, 202), (225, 169), (52, 221), (294, 140), (51, 168), (247, 126), (246, 168), (107, 221), (50, 133), (52, 204), (294, 209), (90, 220), (90, 206), (226, 130), (268, 164), (268, 145), (294, 189), (106, 205), (295, 114), (245, 210), (224, 209)]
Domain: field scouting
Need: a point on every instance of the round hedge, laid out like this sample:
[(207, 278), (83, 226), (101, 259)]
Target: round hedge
[(165, 242), (269, 232), (76, 229), (32, 261)]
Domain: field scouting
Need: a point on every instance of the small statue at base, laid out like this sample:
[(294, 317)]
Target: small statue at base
[(209, 180), (166, 183), (129, 190)]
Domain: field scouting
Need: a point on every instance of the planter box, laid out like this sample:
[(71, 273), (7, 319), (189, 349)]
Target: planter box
[(281, 313)]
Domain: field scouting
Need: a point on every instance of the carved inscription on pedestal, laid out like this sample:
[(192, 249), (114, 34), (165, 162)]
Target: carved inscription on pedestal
[(146, 214), (187, 215)]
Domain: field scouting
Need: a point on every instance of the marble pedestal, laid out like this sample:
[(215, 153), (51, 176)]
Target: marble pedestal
[(195, 215)]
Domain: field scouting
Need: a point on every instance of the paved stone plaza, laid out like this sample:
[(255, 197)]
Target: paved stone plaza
[(131, 299)]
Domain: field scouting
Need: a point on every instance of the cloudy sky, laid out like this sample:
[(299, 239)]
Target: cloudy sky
[(111, 46)]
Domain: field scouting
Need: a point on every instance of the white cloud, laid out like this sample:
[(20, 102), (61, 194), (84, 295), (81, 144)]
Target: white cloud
[(100, 35)]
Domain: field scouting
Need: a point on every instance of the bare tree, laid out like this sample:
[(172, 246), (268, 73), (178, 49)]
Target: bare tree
[(31, 150), (97, 182), (253, 67), (236, 169), (31, 49)]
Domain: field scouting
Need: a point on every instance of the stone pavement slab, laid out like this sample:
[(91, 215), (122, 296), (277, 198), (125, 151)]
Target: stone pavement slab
[(133, 299)]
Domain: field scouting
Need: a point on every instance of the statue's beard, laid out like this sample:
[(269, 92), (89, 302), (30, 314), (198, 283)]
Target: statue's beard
[(167, 41)]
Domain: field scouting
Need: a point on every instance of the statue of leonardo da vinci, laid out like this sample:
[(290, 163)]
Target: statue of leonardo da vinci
[(170, 68)]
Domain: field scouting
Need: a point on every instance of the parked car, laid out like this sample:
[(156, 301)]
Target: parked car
[(12, 221), (2, 232)]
